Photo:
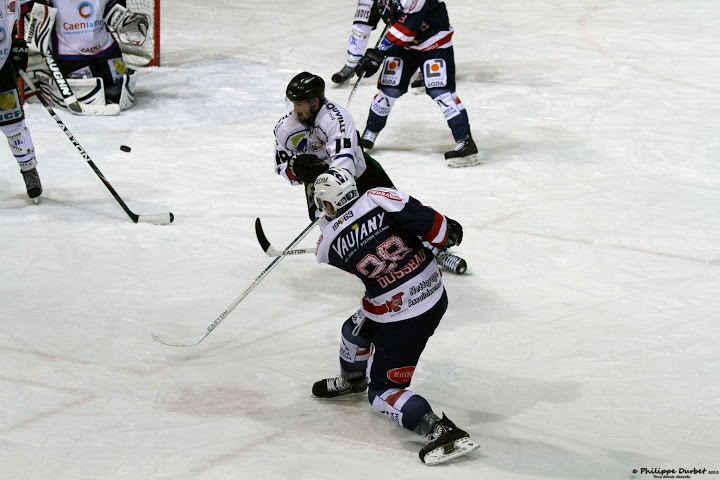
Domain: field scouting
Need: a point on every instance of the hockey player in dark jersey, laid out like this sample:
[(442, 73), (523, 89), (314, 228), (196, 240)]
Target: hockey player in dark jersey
[(378, 237), (365, 21), (420, 35)]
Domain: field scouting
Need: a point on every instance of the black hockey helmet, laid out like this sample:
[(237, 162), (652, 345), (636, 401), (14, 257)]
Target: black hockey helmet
[(305, 86)]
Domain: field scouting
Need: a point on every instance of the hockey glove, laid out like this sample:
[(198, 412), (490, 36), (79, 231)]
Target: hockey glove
[(19, 54), (306, 167), (455, 233), (370, 63)]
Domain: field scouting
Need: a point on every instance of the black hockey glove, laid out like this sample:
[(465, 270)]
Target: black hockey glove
[(455, 233), (306, 167), (19, 54), (370, 63)]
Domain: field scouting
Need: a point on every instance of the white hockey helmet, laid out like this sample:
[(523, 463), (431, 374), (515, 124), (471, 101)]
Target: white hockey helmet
[(336, 187)]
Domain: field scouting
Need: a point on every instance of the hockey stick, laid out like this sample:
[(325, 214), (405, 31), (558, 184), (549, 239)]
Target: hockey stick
[(362, 75), (272, 251), (157, 219), (72, 103), (188, 342)]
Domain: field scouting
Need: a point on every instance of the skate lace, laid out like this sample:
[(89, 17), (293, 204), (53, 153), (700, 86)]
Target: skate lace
[(368, 135), (337, 384), (32, 179), (437, 432), (448, 260), (461, 144)]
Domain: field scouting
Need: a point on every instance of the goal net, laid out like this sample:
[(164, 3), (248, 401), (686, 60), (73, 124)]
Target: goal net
[(147, 54)]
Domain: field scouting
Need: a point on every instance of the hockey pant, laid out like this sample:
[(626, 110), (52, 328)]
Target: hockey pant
[(438, 67), (12, 119), (389, 353)]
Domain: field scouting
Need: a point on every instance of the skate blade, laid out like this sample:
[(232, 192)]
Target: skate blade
[(460, 162), (461, 447)]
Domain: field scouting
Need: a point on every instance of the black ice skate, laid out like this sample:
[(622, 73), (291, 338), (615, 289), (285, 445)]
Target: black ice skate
[(32, 182), (336, 386), (448, 442), (464, 154), (367, 141), (343, 75), (451, 262), (418, 85)]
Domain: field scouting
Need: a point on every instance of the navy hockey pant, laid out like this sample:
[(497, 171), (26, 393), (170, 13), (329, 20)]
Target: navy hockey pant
[(395, 350)]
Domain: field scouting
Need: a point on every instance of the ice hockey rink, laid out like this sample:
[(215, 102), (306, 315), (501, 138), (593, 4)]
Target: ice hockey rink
[(582, 344)]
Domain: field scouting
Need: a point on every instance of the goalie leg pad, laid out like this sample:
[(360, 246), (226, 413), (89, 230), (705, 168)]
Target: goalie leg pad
[(127, 95), (90, 91)]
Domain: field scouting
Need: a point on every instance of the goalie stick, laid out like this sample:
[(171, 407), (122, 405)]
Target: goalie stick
[(272, 251), (156, 219), (189, 342)]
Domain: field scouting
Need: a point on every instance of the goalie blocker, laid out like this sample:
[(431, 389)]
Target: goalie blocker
[(96, 80)]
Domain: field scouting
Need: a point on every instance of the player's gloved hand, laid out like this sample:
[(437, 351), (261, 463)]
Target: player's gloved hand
[(19, 54), (370, 63), (455, 233), (306, 167)]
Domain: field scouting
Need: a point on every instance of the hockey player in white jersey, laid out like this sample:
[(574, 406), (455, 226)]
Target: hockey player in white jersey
[(365, 21), (317, 134), (13, 57), (80, 39), (378, 237)]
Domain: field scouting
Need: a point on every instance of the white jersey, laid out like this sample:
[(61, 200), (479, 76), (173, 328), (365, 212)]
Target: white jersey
[(9, 15), (332, 138), (80, 28)]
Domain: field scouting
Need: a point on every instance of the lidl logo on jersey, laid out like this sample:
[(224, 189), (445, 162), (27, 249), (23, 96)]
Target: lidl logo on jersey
[(9, 106), (435, 73)]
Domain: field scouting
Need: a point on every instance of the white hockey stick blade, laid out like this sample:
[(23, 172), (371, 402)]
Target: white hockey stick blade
[(461, 447), (78, 108), (157, 219), (188, 342)]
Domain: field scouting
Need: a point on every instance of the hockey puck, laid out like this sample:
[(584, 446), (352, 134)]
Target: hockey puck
[(124, 148)]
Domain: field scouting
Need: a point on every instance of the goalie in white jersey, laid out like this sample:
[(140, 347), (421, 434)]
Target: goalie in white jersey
[(78, 39), (379, 237), (317, 134)]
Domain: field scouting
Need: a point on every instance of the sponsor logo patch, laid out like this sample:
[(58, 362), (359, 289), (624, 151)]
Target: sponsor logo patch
[(400, 375)]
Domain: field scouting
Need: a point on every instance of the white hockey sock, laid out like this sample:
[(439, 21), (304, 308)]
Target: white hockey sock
[(357, 43), (21, 144)]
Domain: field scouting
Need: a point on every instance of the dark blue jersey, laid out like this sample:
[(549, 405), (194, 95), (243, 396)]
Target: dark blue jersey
[(379, 240)]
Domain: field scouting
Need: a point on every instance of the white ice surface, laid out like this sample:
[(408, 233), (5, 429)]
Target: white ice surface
[(584, 344)]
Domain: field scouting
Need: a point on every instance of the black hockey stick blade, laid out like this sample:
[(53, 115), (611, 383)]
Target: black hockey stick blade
[(262, 239)]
